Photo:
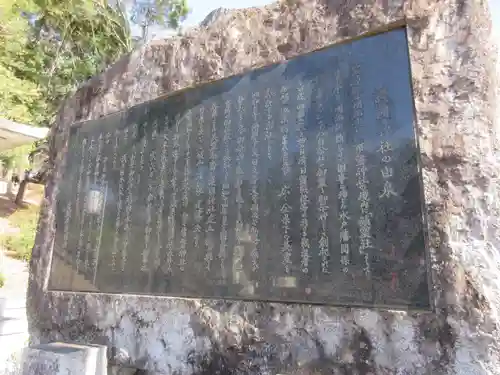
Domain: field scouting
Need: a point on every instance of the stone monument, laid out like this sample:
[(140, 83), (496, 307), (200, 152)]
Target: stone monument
[(306, 188)]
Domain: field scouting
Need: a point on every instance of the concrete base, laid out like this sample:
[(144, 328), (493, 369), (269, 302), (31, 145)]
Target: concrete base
[(67, 359), (13, 329), (115, 370)]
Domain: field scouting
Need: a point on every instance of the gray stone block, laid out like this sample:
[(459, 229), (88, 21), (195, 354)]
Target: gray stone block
[(64, 359)]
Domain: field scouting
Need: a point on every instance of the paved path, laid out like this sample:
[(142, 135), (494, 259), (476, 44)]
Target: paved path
[(13, 322)]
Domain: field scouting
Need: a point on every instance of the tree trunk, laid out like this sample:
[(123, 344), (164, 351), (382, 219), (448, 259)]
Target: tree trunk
[(8, 177), (21, 191)]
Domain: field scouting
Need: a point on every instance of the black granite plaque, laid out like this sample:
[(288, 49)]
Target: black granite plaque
[(297, 182)]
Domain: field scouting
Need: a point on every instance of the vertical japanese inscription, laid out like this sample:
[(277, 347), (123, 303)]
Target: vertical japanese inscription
[(254, 190), (344, 236), (149, 199), (226, 166), (104, 174), (67, 219), (284, 195), (98, 184), (269, 96), (385, 149), (129, 200), (88, 179), (212, 165), (200, 161), (383, 117), (81, 212), (185, 191), (103, 188), (173, 197), (121, 202), (114, 166), (68, 212), (364, 221), (161, 193), (305, 244), (114, 160), (240, 155), (322, 169)]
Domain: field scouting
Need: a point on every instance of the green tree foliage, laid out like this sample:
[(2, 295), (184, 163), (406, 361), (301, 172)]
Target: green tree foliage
[(71, 41), (49, 47), (21, 99), (164, 13), (17, 158)]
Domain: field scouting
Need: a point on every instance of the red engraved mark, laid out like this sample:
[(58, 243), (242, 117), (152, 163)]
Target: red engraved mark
[(394, 281)]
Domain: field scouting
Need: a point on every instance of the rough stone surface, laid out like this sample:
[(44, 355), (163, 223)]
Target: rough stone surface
[(454, 80)]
